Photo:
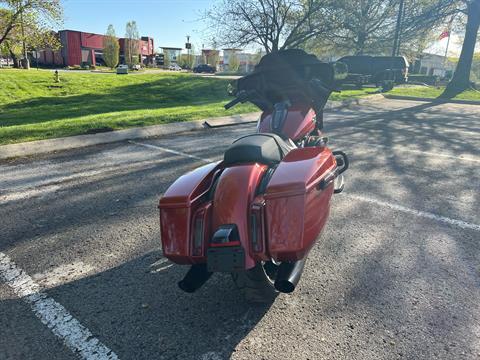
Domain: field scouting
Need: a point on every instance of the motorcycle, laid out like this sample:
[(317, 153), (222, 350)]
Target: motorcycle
[(257, 213)]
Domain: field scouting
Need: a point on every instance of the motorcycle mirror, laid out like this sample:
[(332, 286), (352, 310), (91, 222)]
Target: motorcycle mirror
[(231, 89)]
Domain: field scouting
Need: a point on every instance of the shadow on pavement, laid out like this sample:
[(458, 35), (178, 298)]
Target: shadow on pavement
[(137, 310)]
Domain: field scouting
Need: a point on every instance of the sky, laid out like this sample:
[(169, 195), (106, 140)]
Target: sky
[(167, 21)]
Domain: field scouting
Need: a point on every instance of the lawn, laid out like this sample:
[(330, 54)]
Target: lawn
[(432, 92), (33, 106)]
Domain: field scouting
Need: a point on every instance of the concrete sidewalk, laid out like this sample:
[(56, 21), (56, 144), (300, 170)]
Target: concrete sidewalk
[(78, 141), (432, 100)]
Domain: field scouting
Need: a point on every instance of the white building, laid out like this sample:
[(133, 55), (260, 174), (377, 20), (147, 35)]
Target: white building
[(247, 61), (432, 64), (171, 55)]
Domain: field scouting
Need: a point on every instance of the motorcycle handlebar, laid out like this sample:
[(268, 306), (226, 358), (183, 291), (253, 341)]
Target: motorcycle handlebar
[(319, 86), (233, 103), (240, 98)]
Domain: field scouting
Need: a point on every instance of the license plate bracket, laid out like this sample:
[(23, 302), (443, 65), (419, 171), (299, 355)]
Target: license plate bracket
[(226, 259)]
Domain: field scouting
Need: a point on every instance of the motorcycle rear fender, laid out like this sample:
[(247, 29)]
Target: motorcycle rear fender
[(234, 194)]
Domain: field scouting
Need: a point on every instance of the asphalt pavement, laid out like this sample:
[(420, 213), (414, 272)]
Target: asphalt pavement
[(395, 275)]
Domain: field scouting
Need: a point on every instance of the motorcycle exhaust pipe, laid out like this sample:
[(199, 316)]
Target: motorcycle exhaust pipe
[(195, 278), (288, 275)]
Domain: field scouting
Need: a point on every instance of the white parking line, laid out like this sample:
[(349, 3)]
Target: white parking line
[(424, 214), (455, 157), (75, 336), (206, 160)]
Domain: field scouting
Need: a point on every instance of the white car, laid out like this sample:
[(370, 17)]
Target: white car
[(5, 62), (174, 67), (122, 69)]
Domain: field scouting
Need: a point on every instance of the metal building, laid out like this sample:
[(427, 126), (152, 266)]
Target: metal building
[(82, 48)]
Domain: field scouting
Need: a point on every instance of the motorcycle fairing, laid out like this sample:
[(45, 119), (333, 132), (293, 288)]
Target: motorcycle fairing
[(299, 123)]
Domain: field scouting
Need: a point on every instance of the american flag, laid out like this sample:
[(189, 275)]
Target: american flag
[(444, 35)]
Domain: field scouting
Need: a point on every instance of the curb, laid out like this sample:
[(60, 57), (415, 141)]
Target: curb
[(432, 100), (79, 141)]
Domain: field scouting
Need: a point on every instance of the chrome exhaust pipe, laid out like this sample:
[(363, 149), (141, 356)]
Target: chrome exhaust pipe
[(288, 275), (195, 278)]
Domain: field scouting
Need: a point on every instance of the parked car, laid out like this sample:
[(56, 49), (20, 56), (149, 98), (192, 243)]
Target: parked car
[(122, 69), (204, 68), (6, 62), (174, 67)]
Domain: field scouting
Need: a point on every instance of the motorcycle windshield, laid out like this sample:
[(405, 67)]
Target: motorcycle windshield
[(286, 75)]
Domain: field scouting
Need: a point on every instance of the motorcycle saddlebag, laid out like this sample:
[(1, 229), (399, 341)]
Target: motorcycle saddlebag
[(297, 202), (185, 216)]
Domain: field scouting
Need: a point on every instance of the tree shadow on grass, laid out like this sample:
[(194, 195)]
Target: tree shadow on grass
[(162, 93)]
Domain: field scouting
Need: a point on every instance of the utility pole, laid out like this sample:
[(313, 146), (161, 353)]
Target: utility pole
[(396, 40), (399, 41), (188, 46)]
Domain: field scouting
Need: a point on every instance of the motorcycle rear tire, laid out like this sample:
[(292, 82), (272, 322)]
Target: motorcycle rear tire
[(256, 284)]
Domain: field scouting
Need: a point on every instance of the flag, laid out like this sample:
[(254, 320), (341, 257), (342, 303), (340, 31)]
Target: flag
[(444, 35)]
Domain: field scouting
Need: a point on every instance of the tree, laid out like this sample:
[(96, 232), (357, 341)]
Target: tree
[(272, 24), (187, 60), (461, 77), (475, 73), (368, 26), (166, 57), (233, 63), (362, 26), (131, 44), (18, 14), (111, 48), (33, 35)]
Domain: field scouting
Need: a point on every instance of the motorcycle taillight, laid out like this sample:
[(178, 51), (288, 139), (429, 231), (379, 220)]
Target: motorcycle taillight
[(257, 229)]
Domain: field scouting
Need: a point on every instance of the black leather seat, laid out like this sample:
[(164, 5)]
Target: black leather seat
[(268, 149)]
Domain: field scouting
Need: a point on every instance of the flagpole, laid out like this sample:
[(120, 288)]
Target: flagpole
[(446, 51), (448, 44)]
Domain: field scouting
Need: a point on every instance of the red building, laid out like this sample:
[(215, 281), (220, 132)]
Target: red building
[(79, 48)]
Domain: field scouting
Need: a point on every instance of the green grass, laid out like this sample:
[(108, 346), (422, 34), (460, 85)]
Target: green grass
[(432, 92), (348, 94), (34, 107)]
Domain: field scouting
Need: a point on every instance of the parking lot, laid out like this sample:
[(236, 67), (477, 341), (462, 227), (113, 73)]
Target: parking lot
[(395, 275)]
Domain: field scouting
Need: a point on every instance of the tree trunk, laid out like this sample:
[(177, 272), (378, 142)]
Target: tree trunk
[(275, 45), (16, 60), (461, 78), (360, 44)]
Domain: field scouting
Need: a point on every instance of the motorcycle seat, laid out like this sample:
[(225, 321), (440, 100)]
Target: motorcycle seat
[(263, 148)]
